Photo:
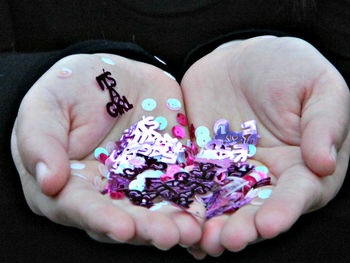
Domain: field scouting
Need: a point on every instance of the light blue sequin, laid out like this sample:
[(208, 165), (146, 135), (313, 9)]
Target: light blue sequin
[(252, 150), (173, 104), (202, 131), (149, 104), (264, 194), (163, 123), (100, 150), (263, 169)]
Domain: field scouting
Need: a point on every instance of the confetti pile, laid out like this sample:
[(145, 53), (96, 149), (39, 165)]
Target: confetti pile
[(152, 169), (148, 167)]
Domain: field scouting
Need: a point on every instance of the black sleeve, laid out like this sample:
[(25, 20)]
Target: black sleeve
[(321, 236)]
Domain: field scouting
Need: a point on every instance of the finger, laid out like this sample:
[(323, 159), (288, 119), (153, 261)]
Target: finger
[(297, 191), (59, 119), (110, 239), (151, 227), (325, 122), (88, 172), (197, 252), (79, 204), (239, 229), (189, 221), (210, 242), (41, 132)]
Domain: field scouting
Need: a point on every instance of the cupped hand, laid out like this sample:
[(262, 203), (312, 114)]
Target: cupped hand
[(62, 119), (301, 105)]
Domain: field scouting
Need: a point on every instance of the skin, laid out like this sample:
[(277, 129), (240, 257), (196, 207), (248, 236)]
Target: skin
[(299, 100), (301, 105), (64, 120)]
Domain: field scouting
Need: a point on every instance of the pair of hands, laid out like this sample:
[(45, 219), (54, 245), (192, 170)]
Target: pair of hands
[(299, 100)]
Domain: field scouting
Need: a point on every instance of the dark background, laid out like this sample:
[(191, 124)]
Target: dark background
[(34, 34)]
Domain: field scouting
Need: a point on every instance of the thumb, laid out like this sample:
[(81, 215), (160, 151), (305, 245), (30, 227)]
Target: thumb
[(42, 136), (325, 123)]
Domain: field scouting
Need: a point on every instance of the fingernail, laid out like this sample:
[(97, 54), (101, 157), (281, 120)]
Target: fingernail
[(160, 248), (334, 152), (195, 246), (197, 254), (41, 171), (217, 255), (184, 246), (111, 236)]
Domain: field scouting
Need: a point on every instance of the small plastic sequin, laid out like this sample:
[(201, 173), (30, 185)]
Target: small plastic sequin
[(202, 131), (138, 184), (163, 123), (261, 195), (202, 140), (221, 126), (149, 104), (192, 133), (108, 61), (264, 193), (110, 146), (263, 169), (103, 170), (252, 150), (179, 132), (181, 119), (159, 205), (173, 104), (137, 162), (172, 170), (247, 136), (98, 151), (64, 72), (77, 166)]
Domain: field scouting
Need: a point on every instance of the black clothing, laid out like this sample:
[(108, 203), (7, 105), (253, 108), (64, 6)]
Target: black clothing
[(35, 34)]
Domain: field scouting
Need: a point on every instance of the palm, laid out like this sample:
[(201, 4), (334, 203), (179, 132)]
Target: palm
[(81, 124), (250, 82), (267, 81)]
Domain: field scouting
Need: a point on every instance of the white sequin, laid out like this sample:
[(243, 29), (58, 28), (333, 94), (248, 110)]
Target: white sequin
[(108, 61), (264, 194), (159, 205), (77, 166)]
